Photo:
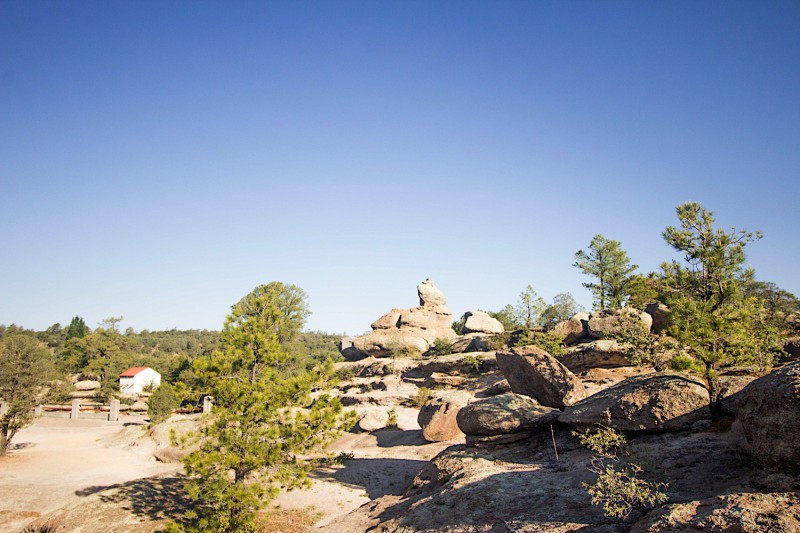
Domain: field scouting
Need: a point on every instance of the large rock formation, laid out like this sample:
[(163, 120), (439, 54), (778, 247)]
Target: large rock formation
[(534, 372), (769, 411), (437, 418), (643, 403), (411, 330)]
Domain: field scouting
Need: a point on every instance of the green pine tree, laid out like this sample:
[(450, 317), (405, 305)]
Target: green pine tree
[(609, 263), (264, 416)]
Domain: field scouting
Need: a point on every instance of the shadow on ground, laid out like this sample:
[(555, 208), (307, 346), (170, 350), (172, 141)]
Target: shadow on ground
[(378, 477), (155, 498)]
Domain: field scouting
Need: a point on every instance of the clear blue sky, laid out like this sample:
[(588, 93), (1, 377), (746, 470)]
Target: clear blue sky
[(158, 160)]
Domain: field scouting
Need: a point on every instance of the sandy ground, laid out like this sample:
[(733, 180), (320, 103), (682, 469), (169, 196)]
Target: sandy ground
[(57, 461), (92, 475)]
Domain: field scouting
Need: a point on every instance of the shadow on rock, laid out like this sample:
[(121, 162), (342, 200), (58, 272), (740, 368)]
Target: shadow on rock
[(388, 438)]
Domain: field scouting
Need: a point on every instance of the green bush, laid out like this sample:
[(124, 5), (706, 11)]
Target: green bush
[(421, 397), (473, 362), (548, 341), (440, 347), (161, 403), (685, 363)]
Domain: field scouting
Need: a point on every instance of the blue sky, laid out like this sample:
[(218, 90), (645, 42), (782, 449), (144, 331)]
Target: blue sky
[(158, 160)]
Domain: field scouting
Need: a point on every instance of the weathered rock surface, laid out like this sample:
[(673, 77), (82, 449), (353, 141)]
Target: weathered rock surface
[(437, 417), (661, 401), (411, 330), (87, 385), (609, 322), (742, 512), (480, 322), (533, 372), (605, 353), (374, 420), (660, 314), (505, 413), (573, 329), (769, 412)]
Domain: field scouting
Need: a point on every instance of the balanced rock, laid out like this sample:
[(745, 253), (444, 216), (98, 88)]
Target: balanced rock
[(505, 413), (610, 322), (87, 385), (412, 330), (437, 418), (660, 314), (605, 353), (480, 322), (533, 372), (658, 401), (430, 295), (769, 411)]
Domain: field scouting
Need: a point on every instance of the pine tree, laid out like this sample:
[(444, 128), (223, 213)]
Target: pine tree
[(77, 328), (609, 263), (710, 314), (25, 368), (264, 417)]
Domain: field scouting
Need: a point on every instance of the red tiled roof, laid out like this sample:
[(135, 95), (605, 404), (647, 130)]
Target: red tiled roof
[(132, 371)]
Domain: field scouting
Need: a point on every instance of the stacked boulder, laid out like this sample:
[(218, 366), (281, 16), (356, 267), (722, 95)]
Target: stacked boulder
[(415, 330)]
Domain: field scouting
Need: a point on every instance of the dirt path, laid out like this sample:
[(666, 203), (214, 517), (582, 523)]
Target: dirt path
[(57, 461)]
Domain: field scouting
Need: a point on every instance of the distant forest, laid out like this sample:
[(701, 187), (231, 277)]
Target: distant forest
[(105, 352)]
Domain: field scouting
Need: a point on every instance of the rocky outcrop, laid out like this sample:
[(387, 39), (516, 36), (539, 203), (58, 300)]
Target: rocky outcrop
[(503, 414), (610, 322), (437, 417), (605, 353), (573, 329), (769, 412), (751, 512), (533, 372), (644, 403), (480, 322), (407, 331), (660, 314)]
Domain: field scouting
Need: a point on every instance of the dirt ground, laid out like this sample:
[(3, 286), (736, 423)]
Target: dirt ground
[(54, 462), (92, 475)]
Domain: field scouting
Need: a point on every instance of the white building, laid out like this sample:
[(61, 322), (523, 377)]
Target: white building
[(134, 380)]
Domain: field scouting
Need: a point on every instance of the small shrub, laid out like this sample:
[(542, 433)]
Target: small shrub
[(392, 422), (345, 373), (473, 362), (618, 489), (499, 341), (603, 441), (440, 347), (421, 397), (550, 342), (621, 491)]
